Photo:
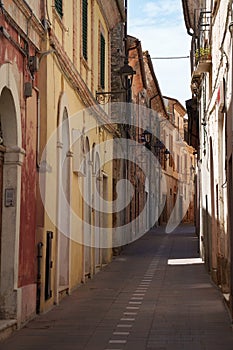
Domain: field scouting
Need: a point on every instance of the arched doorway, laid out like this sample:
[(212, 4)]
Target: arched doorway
[(63, 205), (97, 196), (213, 219), (87, 211), (11, 159)]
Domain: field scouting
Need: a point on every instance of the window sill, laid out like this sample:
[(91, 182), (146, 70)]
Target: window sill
[(84, 63)]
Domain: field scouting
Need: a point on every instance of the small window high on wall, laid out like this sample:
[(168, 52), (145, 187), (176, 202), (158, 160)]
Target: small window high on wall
[(59, 7)]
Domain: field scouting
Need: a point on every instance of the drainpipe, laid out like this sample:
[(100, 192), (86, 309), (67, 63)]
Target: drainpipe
[(229, 174), (37, 128), (38, 281)]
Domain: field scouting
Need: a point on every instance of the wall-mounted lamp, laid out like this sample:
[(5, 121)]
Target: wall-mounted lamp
[(126, 74), (166, 154), (146, 137)]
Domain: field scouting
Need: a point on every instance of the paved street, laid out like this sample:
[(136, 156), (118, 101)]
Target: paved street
[(138, 302)]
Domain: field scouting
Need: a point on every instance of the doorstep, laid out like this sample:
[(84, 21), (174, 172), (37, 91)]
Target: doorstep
[(6, 328)]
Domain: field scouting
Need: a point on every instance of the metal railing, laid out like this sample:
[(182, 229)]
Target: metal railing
[(201, 50)]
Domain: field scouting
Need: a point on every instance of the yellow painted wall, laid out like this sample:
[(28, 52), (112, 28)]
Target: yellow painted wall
[(57, 85)]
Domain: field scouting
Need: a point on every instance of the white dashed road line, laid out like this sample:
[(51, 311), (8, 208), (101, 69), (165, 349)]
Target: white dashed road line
[(134, 304)]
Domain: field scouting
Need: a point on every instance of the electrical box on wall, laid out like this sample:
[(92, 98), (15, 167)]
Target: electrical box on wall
[(33, 64), (9, 197), (27, 89)]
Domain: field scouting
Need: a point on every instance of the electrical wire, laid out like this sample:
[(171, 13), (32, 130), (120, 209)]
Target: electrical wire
[(160, 58), (170, 58)]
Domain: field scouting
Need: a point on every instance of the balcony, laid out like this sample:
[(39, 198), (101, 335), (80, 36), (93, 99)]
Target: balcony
[(203, 60)]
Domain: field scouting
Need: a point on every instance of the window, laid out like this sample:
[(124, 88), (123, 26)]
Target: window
[(58, 7), (84, 27), (171, 150), (185, 166), (178, 164), (102, 61)]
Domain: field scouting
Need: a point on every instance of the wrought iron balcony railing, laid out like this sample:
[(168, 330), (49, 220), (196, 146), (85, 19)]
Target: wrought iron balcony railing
[(202, 44)]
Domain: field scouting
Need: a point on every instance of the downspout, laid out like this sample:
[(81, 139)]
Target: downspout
[(38, 128), (38, 280), (229, 174)]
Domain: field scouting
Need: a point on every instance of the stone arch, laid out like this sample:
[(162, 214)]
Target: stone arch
[(87, 148), (87, 211), (64, 193), (13, 157), (213, 218), (63, 116), (97, 212), (8, 83)]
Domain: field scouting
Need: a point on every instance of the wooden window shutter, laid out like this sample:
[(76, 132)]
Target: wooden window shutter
[(102, 61), (84, 27), (59, 7)]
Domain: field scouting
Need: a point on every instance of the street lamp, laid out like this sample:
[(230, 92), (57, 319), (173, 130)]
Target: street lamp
[(126, 73), (147, 136), (167, 154)]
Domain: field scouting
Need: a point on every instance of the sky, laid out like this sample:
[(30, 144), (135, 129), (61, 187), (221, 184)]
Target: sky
[(159, 25)]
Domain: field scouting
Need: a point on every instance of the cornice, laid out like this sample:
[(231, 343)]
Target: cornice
[(108, 15), (30, 15), (186, 14)]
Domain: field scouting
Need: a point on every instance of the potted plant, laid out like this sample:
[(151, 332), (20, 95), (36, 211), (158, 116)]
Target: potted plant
[(202, 54)]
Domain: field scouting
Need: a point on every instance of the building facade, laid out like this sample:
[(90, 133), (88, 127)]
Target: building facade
[(21, 35), (171, 186), (76, 63), (210, 25), (55, 150)]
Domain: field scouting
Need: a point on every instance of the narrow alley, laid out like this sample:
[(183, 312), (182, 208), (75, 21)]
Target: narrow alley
[(155, 295)]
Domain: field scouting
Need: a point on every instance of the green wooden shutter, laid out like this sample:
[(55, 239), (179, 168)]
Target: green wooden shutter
[(84, 27), (58, 7), (102, 61)]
